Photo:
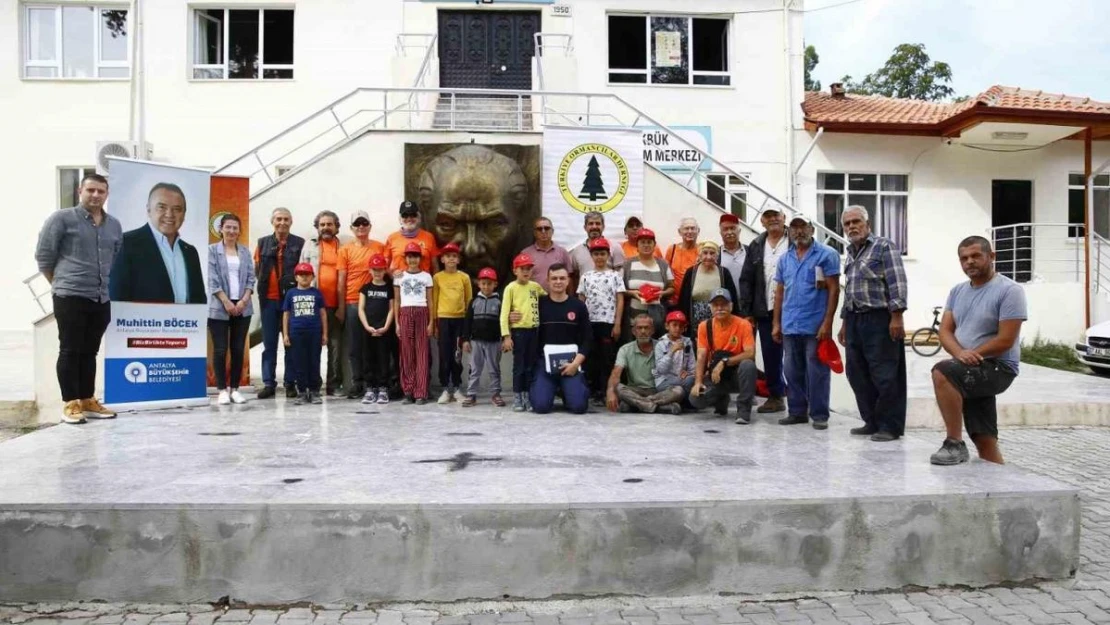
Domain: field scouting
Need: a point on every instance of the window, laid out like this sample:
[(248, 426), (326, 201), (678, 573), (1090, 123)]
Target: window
[(735, 187), (75, 42), (1101, 212), (69, 181), (668, 50), (885, 197), (242, 44)]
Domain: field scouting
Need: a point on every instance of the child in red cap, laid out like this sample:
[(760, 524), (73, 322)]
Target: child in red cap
[(305, 328), (375, 312), (481, 336), (412, 294), (453, 293), (520, 332)]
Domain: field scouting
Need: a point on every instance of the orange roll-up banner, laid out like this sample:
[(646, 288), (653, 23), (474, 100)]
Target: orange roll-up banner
[(230, 194)]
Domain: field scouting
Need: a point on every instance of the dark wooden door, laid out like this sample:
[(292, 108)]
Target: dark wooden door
[(1011, 205), (487, 49)]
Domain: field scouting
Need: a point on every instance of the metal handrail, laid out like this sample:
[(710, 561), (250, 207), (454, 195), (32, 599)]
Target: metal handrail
[(39, 296), (401, 46), (1038, 251), (567, 46), (1101, 262)]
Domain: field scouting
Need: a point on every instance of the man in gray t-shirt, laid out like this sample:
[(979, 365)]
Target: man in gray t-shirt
[(981, 330)]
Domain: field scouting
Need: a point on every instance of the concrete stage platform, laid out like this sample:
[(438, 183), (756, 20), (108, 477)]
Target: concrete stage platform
[(269, 502)]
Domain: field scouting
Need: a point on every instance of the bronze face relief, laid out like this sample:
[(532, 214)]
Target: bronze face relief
[(478, 198)]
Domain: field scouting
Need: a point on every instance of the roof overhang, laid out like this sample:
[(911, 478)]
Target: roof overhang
[(972, 118)]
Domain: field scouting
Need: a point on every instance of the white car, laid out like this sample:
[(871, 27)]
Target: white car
[(1095, 350)]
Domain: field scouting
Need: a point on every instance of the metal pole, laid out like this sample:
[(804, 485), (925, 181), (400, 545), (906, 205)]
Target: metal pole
[(141, 135), (1088, 179)]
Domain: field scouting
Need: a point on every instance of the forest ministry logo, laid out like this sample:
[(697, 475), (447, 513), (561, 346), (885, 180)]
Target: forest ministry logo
[(593, 177)]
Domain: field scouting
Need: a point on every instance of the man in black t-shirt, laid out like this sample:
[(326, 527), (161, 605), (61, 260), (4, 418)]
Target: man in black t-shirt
[(375, 311), (564, 321)]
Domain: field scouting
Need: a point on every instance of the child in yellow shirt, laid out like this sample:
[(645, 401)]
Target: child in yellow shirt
[(520, 323), (453, 293)]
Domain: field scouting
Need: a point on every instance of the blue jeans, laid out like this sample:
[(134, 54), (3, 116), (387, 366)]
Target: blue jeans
[(807, 378), (772, 358), (271, 329), (576, 394)]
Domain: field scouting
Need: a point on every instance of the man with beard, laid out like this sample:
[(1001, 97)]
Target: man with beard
[(411, 232), (275, 258), (581, 259), (636, 361), (757, 301), (872, 330), (322, 253), (981, 330), (807, 288)]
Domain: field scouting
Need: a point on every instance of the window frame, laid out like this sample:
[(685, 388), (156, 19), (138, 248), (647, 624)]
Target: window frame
[(740, 188), (876, 216), (82, 171), (689, 17), (225, 40), (58, 64), (1076, 233)]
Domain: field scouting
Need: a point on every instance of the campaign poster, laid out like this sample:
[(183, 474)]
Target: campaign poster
[(230, 195), (592, 169), (156, 344)]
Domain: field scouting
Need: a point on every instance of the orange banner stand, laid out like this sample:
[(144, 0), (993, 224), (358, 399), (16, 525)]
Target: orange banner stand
[(230, 194)]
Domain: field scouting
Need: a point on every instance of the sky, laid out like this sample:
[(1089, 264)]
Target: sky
[(1058, 46)]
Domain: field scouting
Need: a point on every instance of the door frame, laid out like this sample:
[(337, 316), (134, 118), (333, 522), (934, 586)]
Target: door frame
[(538, 12), (1017, 265)]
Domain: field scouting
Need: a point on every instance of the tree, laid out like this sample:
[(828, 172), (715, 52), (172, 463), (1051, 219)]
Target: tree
[(908, 73), (593, 187), (811, 60)]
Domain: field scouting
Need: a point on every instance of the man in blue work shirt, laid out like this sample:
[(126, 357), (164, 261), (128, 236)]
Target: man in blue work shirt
[(807, 288)]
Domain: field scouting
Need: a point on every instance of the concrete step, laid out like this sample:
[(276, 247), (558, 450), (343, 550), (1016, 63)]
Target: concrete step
[(483, 113)]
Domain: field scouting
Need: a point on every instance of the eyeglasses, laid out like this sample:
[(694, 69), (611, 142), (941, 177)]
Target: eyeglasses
[(543, 228), (361, 223)]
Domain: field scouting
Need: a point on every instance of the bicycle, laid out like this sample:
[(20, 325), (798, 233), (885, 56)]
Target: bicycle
[(926, 341)]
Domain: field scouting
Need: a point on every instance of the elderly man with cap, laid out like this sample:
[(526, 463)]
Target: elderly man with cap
[(636, 361), (807, 288), (581, 259), (726, 361), (632, 227), (544, 253), (354, 271), (733, 253), (757, 301), (411, 232)]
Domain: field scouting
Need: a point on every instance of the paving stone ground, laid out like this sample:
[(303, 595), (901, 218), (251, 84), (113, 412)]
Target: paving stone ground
[(1075, 456)]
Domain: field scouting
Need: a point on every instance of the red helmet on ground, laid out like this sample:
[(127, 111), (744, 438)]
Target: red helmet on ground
[(676, 315), (450, 248), (377, 261), (600, 243), (487, 273), (414, 248), (303, 269), (523, 260), (829, 353)]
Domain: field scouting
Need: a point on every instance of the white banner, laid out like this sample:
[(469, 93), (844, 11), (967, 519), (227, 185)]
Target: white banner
[(155, 349), (592, 169)]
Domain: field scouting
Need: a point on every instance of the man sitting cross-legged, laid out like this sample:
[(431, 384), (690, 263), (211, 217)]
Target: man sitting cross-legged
[(637, 359)]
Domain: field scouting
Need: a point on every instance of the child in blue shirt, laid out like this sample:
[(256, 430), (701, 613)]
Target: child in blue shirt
[(305, 328)]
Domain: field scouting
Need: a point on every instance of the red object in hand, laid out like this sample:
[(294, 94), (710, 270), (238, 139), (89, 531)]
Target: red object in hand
[(650, 292), (829, 353)]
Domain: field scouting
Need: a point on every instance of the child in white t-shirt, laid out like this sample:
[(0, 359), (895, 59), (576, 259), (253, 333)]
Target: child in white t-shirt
[(600, 288), (415, 321)]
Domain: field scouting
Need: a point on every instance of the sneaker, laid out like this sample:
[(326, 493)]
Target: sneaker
[(237, 397), (93, 409), (743, 417), (420, 401), (470, 400), (820, 425), (883, 437), (383, 397), (72, 412), (223, 399), (518, 402), (458, 395), (409, 400), (314, 397), (355, 392), (497, 401), (675, 408), (793, 420), (370, 397), (527, 402), (290, 392), (721, 407), (445, 398), (773, 404), (864, 430), (298, 400), (266, 393), (950, 452)]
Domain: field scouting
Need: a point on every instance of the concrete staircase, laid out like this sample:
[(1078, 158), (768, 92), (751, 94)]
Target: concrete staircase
[(489, 113)]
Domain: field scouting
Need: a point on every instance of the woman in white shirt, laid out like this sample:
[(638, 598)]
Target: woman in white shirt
[(231, 282)]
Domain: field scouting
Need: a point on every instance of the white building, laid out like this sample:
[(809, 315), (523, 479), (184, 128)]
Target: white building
[(315, 100)]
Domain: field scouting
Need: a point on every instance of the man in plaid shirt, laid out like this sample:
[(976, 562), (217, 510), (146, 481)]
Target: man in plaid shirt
[(872, 330)]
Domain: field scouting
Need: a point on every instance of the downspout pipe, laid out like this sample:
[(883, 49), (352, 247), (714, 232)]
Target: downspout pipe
[(788, 92)]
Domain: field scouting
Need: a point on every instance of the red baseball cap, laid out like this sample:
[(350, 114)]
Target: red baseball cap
[(377, 261), (829, 353), (676, 315), (487, 273), (303, 269), (414, 248), (450, 248), (645, 233), (523, 260), (600, 243), (729, 218)]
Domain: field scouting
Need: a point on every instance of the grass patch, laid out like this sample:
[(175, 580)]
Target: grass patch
[(1053, 355)]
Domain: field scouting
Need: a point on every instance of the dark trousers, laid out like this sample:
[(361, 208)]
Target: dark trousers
[(224, 331), (379, 353), (602, 356), (576, 395), (772, 358), (337, 367), (81, 325), (356, 347), (450, 369), (876, 368), (526, 349), (305, 358), (271, 329)]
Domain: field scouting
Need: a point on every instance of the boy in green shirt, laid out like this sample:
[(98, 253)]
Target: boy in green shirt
[(520, 321)]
